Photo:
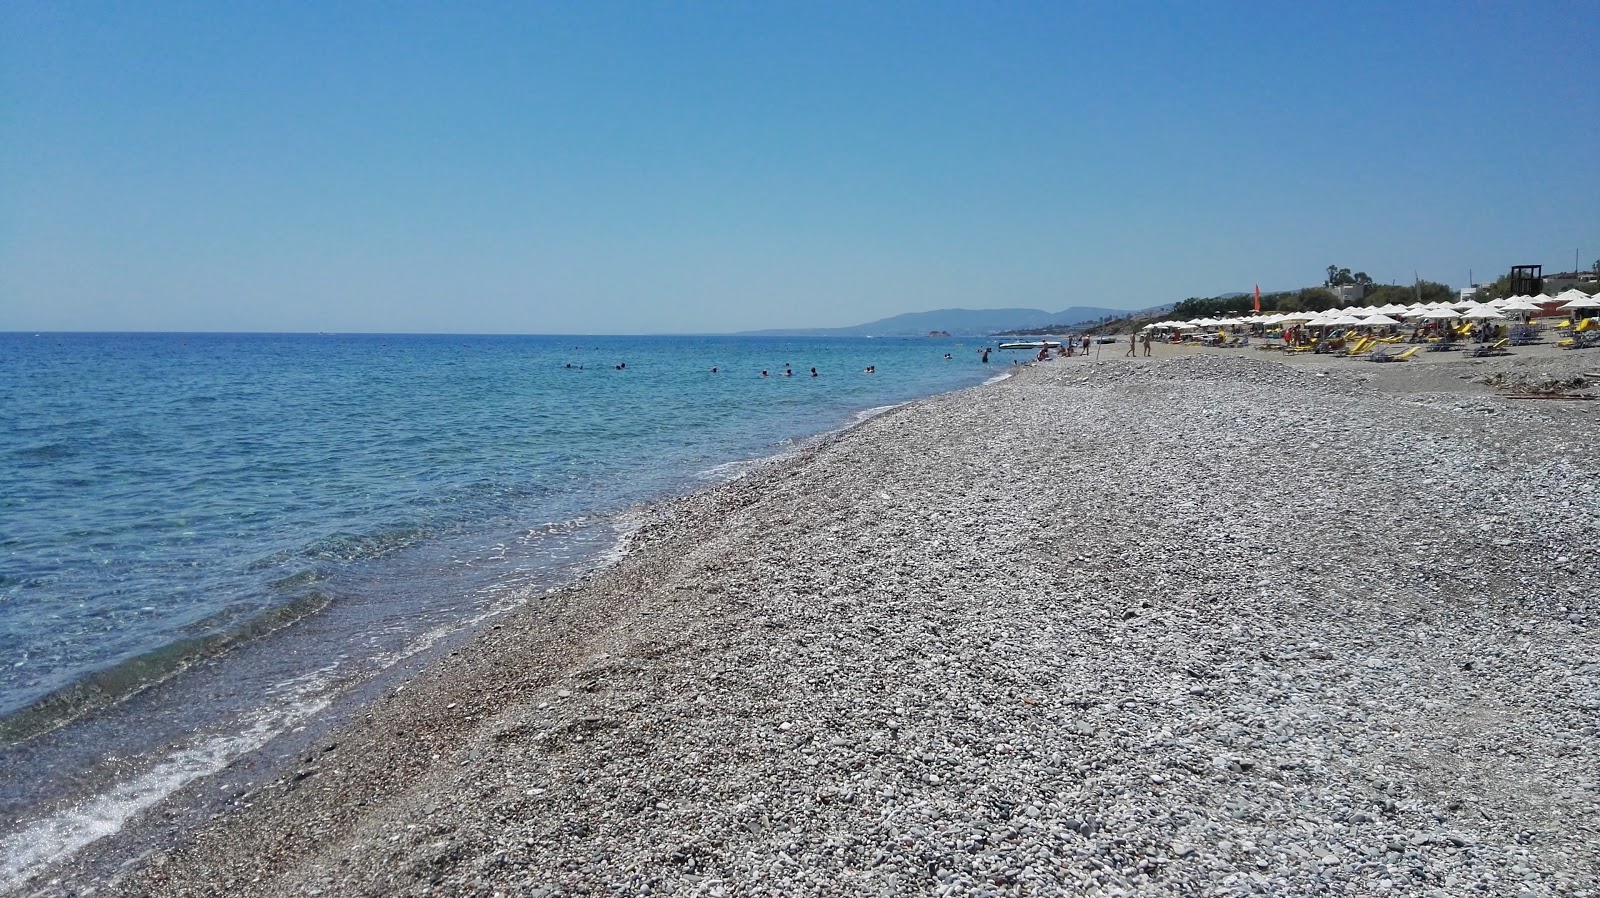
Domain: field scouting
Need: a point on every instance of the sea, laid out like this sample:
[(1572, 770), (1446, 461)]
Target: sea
[(214, 546)]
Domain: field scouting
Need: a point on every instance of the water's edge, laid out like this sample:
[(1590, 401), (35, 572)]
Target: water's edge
[(115, 820)]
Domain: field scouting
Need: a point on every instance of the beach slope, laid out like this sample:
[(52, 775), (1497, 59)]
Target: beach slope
[(1193, 626)]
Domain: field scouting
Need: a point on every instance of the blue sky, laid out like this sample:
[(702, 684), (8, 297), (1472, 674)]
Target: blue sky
[(639, 168)]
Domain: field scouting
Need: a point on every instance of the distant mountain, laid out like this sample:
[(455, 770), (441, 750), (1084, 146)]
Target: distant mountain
[(971, 322)]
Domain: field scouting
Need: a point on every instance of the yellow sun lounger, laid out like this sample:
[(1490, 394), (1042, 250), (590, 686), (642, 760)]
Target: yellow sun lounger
[(1397, 357)]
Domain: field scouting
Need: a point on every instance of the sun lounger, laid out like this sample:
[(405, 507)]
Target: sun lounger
[(1498, 348), (1396, 357)]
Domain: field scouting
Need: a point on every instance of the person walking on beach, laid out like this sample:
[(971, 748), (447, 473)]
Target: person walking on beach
[(1145, 338), (1133, 346), (1085, 345)]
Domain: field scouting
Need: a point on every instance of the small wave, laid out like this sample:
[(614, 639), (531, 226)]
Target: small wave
[(870, 413), (117, 683), (44, 452), (363, 546), (31, 850), (298, 579), (729, 471)]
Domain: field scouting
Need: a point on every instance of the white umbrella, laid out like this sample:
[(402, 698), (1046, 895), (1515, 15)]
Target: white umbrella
[(1379, 321), (1440, 314), (1415, 313), (1342, 321), (1183, 325), (1583, 301), (1519, 304), (1484, 313)]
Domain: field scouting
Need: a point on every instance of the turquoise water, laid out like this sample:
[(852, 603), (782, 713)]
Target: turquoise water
[(163, 488), (210, 543)]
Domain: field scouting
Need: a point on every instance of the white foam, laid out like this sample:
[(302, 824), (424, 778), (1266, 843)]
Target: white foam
[(27, 852), (868, 413), (729, 471)]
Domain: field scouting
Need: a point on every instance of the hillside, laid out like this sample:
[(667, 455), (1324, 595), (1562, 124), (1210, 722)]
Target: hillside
[(954, 321)]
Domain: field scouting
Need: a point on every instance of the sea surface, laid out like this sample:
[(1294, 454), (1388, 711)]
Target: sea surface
[(208, 540)]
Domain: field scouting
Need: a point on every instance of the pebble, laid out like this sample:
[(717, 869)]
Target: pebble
[(903, 661)]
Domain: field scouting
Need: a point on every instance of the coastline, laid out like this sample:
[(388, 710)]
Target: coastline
[(1067, 630)]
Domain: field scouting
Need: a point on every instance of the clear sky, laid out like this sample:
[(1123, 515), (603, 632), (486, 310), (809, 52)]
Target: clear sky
[(593, 167)]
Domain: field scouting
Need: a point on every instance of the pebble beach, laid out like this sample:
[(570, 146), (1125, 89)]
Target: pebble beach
[(1210, 623)]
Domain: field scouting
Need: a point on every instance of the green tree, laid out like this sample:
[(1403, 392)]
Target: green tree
[(1500, 288), (1316, 299)]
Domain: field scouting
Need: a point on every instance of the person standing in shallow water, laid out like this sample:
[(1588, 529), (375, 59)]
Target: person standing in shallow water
[(985, 359)]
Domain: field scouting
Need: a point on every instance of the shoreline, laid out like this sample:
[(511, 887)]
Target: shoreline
[(782, 666), (86, 814)]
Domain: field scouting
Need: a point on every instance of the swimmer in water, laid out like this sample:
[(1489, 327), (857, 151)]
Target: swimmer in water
[(813, 372), (788, 372), (713, 369), (763, 372)]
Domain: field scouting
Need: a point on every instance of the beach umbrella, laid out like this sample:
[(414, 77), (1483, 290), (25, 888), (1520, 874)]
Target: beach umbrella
[(1581, 301), (1440, 314), (1520, 304), (1379, 321), (1484, 313), (1414, 313), (1342, 321)]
